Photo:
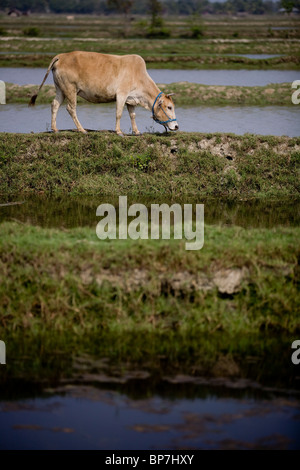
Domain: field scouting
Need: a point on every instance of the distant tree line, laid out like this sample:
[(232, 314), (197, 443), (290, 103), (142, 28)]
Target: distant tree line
[(152, 7)]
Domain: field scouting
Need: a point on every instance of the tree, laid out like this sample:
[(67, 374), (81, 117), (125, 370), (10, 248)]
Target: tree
[(288, 5), (156, 29), (155, 11), (123, 7)]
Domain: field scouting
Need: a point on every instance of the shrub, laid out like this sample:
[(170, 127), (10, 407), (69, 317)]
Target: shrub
[(197, 32), (31, 31)]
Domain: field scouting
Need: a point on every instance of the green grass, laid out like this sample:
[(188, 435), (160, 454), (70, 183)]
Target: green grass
[(173, 165), (161, 48), (187, 94), (65, 289), (198, 62)]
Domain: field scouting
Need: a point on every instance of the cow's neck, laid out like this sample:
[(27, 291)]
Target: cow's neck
[(150, 92)]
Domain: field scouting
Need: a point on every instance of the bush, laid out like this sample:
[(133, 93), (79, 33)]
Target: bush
[(161, 33), (197, 32), (32, 31)]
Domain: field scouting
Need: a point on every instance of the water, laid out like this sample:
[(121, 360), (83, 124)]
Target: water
[(269, 120), (109, 419), (80, 211), (256, 56), (24, 76), (101, 405)]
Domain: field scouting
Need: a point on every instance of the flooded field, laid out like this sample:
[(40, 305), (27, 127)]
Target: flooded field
[(24, 76), (267, 120)]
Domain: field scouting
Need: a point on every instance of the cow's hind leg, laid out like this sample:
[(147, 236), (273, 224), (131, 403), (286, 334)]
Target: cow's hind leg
[(71, 108), (131, 111), (58, 100)]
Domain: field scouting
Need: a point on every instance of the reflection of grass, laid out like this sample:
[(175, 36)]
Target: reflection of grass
[(47, 358), (186, 94), (74, 211), (67, 290), (175, 165)]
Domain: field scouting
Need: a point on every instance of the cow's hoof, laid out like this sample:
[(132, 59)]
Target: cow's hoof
[(120, 134), (137, 133)]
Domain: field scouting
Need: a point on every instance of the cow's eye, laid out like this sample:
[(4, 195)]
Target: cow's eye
[(170, 108)]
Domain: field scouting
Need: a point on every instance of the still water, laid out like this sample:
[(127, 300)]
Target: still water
[(89, 417), (268, 120), (80, 211), (24, 76), (255, 56)]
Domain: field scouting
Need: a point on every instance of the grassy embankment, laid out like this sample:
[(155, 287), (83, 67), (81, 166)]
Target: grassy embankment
[(172, 165), (64, 292), (187, 94)]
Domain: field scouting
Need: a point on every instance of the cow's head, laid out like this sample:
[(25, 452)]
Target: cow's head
[(163, 111)]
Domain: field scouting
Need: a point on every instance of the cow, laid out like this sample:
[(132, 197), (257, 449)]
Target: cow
[(104, 78)]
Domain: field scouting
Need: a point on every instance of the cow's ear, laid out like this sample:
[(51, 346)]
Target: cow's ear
[(170, 94), (160, 101)]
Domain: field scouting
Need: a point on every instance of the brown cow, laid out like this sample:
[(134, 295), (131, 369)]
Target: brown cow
[(103, 78)]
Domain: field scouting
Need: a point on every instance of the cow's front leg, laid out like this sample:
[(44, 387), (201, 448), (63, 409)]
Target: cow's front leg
[(120, 105), (131, 111)]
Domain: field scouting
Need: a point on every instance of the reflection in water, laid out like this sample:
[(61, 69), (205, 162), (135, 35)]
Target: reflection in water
[(246, 401), (88, 417), (81, 211), (268, 120)]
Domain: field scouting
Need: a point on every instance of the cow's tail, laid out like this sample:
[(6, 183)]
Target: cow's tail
[(34, 97)]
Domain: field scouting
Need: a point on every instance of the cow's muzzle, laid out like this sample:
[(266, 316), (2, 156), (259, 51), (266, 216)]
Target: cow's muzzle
[(173, 126)]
